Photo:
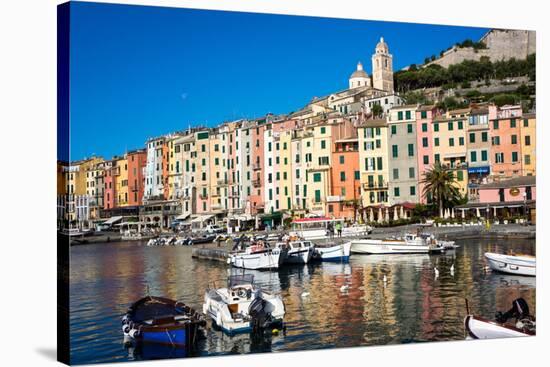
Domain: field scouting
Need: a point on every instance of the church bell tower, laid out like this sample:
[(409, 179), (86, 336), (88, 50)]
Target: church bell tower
[(382, 67)]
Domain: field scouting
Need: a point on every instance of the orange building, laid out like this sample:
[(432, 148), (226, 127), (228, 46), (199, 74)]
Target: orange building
[(346, 180), (137, 160), (504, 125)]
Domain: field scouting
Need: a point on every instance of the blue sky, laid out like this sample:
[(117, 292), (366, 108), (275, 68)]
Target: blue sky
[(138, 72)]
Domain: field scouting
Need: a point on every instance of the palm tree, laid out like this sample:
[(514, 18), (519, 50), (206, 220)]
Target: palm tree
[(440, 183)]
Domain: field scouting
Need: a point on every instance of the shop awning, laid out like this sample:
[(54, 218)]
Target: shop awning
[(112, 220), (183, 216), (201, 218)]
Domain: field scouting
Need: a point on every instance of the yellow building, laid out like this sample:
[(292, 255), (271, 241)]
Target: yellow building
[(121, 181), (449, 144), (216, 177), (528, 144), (373, 162), (285, 170)]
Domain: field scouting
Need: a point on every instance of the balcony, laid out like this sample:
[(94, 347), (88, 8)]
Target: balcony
[(256, 183), (373, 185), (256, 167), (223, 182), (203, 196)]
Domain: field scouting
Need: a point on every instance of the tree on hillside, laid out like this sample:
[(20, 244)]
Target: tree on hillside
[(377, 110), (440, 184)]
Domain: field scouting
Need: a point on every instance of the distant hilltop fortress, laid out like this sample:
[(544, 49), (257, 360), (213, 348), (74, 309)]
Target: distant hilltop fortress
[(501, 44)]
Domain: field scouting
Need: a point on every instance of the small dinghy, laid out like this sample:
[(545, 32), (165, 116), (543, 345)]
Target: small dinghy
[(333, 252), (296, 252), (243, 307), (480, 328), (162, 321), (519, 265)]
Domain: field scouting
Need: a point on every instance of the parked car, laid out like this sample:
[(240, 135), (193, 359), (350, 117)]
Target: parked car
[(213, 228)]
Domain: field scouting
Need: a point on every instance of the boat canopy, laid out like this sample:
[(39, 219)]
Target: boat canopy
[(201, 218), (240, 279)]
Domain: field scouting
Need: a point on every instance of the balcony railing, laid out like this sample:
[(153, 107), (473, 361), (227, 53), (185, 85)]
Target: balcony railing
[(256, 183), (256, 167)]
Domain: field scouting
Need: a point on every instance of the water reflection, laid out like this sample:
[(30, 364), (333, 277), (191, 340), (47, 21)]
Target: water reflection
[(411, 305)]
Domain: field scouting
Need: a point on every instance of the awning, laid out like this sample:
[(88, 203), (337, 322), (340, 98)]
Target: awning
[(182, 216), (201, 218), (112, 220)]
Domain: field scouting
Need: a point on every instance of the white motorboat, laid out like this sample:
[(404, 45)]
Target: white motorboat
[(296, 252), (335, 252), (519, 265), (257, 256), (243, 307), (318, 228), (411, 244), (480, 328)]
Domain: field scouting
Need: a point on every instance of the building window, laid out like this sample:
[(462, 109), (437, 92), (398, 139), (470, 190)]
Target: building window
[(460, 125), (484, 155), (495, 125), (395, 151), (514, 157), (409, 128), (317, 177), (356, 175), (495, 140), (323, 130), (527, 159), (413, 190), (514, 139), (342, 176), (525, 123), (460, 175), (411, 172), (396, 174), (426, 159), (323, 144), (499, 157), (411, 150), (473, 156), (425, 142), (379, 163), (451, 142), (424, 125), (436, 157), (484, 137), (341, 159), (461, 141), (400, 115), (472, 137), (423, 115), (436, 127), (513, 123), (396, 192), (527, 140), (407, 113), (450, 126), (317, 196), (394, 129)]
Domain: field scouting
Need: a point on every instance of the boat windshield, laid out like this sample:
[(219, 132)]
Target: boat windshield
[(235, 280)]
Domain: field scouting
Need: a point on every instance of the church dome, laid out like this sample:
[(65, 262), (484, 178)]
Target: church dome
[(359, 73)]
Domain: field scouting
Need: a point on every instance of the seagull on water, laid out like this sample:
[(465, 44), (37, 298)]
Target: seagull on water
[(305, 294), (344, 288), (452, 269), (436, 272)]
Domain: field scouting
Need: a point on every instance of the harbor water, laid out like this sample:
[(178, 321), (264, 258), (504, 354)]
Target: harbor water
[(411, 306)]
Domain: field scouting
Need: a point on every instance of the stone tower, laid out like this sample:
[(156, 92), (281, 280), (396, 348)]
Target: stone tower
[(382, 67), (359, 78)]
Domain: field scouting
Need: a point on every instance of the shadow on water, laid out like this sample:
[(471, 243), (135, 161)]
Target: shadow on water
[(372, 300)]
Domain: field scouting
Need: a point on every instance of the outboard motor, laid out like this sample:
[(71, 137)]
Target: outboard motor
[(258, 313), (519, 311)]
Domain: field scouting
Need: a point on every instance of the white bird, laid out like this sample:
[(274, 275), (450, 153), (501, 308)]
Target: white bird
[(452, 270), (385, 278), (436, 273), (305, 294), (344, 288)]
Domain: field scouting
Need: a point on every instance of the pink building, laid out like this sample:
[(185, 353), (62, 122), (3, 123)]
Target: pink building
[(504, 199), (504, 125)]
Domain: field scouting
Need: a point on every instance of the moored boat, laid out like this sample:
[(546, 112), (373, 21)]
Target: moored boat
[(481, 328), (334, 252), (317, 228), (243, 307), (510, 264), (162, 321), (411, 244), (296, 252), (256, 257)]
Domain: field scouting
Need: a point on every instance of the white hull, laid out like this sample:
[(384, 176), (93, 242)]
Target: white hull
[(368, 246), (334, 253), (268, 259), (519, 265), (484, 329), (298, 256)]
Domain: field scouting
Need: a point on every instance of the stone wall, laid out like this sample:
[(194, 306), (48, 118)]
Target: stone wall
[(501, 44)]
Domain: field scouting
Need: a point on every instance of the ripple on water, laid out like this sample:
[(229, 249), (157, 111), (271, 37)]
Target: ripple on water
[(411, 306)]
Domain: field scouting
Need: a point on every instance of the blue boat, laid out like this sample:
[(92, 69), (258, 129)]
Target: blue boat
[(158, 320)]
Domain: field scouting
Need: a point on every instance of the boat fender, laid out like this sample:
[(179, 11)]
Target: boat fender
[(134, 333), (126, 329), (125, 319)]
